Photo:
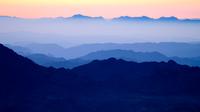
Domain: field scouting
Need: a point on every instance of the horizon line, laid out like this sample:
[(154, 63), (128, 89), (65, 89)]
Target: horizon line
[(52, 17)]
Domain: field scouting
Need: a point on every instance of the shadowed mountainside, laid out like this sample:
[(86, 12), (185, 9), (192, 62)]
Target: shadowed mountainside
[(169, 49), (50, 61), (49, 54), (101, 86), (127, 55)]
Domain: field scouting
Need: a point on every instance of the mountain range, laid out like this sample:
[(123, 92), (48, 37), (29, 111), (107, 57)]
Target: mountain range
[(50, 61), (102, 55), (129, 55), (169, 49), (121, 18), (80, 29), (44, 54), (100, 86)]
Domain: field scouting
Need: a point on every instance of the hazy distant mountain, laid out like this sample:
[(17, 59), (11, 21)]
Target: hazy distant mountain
[(81, 29), (193, 61), (148, 19), (79, 16), (20, 50), (169, 49), (172, 18), (161, 19), (44, 59), (139, 57), (43, 54), (39, 50), (83, 17), (47, 49), (124, 18), (101, 86), (126, 55), (50, 61), (68, 64), (128, 18)]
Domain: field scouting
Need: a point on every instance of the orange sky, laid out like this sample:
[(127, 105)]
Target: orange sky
[(106, 8)]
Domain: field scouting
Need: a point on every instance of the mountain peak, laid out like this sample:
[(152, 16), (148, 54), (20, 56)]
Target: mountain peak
[(172, 18), (80, 16), (129, 18)]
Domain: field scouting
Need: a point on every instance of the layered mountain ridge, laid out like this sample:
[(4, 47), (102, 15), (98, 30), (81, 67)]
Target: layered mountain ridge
[(121, 18), (100, 86)]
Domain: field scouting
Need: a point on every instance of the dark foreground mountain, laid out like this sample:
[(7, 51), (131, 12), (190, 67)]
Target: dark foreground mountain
[(28, 87), (100, 86)]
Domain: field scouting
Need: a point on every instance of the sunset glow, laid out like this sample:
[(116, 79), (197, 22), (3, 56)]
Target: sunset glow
[(106, 8)]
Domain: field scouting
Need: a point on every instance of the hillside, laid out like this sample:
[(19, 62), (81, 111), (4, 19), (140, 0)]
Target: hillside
[(100, 86)]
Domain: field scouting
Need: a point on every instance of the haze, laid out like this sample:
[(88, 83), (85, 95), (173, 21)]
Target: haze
[(80, 31)]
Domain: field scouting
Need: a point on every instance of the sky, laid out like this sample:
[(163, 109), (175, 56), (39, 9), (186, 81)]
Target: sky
[(105, 8)]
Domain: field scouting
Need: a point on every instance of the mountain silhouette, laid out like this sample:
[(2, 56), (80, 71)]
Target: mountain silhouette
[(50, 61), (193, 61), (26, 85), (169, 49), (128, 18), (129, 55), (101, 86), (161, 78), (121, 18), (83, 17), (44, 54), (44, 59), (19, 49), (172, 18), (126, 55)]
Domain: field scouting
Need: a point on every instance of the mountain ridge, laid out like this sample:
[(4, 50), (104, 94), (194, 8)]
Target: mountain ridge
[(100, 86), (45, 57), (125, 18)]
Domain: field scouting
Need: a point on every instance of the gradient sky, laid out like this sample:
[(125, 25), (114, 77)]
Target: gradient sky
[(106, 8)]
